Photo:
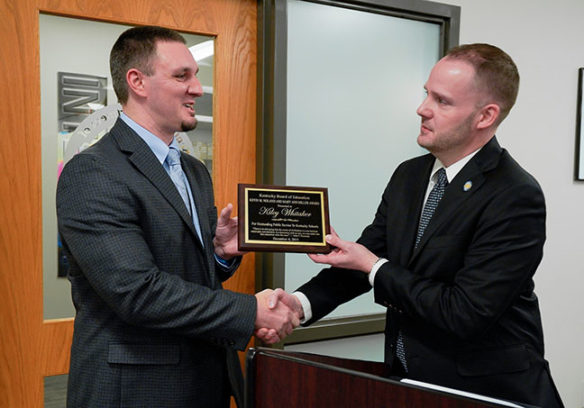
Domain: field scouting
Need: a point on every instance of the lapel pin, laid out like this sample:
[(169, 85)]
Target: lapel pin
[(467, 186)]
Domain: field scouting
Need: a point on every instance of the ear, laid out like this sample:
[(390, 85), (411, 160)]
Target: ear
[(135, 80), (488, 115)]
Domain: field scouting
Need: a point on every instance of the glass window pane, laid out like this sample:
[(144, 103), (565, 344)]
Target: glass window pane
[(355, 79)]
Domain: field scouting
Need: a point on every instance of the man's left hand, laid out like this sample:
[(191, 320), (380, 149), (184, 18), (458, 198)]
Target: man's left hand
[(225, 240), (346, 254)]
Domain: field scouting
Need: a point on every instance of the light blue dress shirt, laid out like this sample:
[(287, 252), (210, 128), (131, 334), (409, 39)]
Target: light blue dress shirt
[(160, 150)]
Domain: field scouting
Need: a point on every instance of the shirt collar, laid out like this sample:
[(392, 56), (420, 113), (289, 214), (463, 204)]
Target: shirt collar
[(453, 169), (158, 147)]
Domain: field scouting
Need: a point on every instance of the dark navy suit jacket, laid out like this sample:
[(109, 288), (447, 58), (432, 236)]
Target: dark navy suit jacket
[(464, 299)]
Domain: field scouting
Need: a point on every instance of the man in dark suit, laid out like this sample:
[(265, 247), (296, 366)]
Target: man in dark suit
[(461, 307), (153, 326)]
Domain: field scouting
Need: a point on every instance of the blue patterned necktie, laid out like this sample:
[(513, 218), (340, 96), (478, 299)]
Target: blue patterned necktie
[(431, 203), (178, 176)]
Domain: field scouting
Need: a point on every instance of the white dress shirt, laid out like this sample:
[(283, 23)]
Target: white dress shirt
[(451, 172)]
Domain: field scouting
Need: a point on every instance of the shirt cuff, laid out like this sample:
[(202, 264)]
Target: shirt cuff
[(375, 268), (306, 308), (224, 263)]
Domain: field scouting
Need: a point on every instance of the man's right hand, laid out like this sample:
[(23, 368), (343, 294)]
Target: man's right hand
[(276, 300), (274, 319)]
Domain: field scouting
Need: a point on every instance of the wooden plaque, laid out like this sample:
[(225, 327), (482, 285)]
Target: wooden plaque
[(283, 218)]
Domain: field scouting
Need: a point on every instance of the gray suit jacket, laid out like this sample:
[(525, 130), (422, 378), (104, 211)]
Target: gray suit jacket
[(153, 326)]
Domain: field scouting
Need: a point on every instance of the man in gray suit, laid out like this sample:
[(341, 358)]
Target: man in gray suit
[(153, 326)]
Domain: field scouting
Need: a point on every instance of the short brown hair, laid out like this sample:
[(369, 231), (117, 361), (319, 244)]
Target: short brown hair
[(134, 49), (495, 73)]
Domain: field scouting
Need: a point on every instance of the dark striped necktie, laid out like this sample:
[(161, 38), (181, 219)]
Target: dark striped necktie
[(431, 203)]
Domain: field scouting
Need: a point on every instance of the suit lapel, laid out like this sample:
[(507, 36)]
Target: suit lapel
[(195, 181), (466, 183), (146, 163), (418, 182)]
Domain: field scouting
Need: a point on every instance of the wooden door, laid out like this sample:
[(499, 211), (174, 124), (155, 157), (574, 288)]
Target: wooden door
[(31, 347)]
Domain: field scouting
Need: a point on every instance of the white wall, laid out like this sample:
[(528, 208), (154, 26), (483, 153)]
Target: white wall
[(545, 38)]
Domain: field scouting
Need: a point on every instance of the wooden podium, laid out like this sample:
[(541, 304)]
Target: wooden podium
[(280, 379)]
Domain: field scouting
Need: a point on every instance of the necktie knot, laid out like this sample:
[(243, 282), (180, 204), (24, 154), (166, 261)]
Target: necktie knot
[(441, 179), (173, 157)]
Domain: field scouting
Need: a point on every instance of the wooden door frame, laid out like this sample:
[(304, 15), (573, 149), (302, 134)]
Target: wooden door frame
[(31, 347)]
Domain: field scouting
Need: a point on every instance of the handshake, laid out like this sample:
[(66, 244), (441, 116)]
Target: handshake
[(278, 314)]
